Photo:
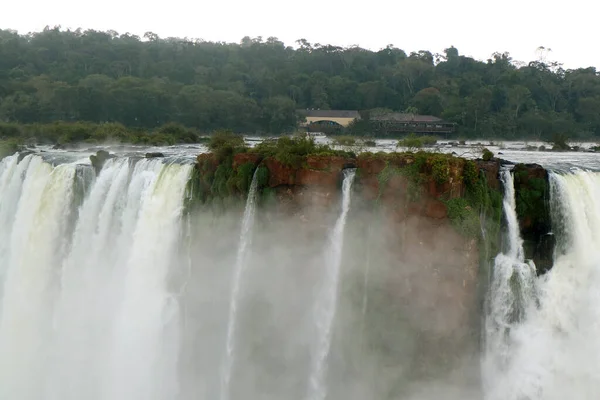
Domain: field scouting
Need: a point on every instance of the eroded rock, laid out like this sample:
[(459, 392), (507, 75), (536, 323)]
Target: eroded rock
[(99, 159), (533, 210)]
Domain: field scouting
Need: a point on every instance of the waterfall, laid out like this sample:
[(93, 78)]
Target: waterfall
[(327, 298), (238, 272), (36, 248), (509, 205), (85, 311), (94, 277), (511, 293), (144, 366), (12, 174), (554, 351)]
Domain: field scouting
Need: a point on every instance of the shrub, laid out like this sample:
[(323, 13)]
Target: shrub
[(225, 144), (111, 132), (220, 182), (178, 133), (440, 168), (245, 174), (464, 218), (370, 143), (487, 155), (559, 142), (359, 127), (9, 130), (292, 150), (411, 142), (262, 176), (470, 173), (345, 140), (8, 147), (429, 140)]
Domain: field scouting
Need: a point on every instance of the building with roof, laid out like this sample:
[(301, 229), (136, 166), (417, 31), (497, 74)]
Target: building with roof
[(392, 123)]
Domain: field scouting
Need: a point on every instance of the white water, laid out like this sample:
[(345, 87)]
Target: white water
[(11, 185), (327, 298), (36, 247), (88, 309), (85, 310), (555, 350), (144, 366), (238, 273), (515, 243), (511, 294)]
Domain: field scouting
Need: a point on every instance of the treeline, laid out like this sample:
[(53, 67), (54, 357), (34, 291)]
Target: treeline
[(65, 133), (256, 86)]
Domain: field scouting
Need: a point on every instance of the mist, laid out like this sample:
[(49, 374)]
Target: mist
[(114, 289), (405, 325)]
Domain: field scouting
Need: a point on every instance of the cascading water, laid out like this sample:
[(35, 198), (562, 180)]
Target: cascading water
[(512, 289), (240, 264), (36, 247), (554, 351), (91, 288), (12, 174), (327, 298), (85, 308), (145, 366)]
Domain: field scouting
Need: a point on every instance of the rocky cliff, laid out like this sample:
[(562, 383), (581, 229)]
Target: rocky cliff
[(533, 210), (430, 221)]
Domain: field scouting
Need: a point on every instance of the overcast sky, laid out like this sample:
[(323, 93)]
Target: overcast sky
[(476, 27)]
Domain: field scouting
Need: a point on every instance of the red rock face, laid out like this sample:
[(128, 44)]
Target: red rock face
[(435, 209), (491, 169), (204, 157), (279, 174), (329, 163), (325, 171), (312, 177), (371, 166), (244, 158), (430, 269), (369, 187)]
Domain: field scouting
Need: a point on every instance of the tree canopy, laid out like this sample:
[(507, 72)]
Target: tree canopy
[(257, 85)]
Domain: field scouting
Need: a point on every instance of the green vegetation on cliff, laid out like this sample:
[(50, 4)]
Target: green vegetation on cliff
[(217, 176), (479, 209), (458, 186), (257, 85), (532, 194), (531, 197), (292, 151), (457, 182)]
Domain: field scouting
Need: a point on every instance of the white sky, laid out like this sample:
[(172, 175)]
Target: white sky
[(476, 27)]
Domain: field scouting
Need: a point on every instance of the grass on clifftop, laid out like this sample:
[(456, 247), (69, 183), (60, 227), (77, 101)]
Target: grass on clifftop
[(216, 179), (288, 150), (222, 180), (292, 151)]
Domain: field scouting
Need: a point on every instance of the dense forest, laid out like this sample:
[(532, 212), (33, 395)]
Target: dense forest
[(256, 86)]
